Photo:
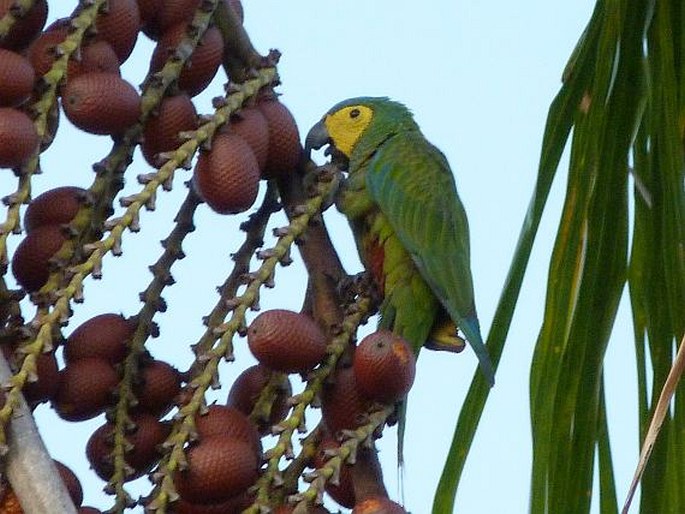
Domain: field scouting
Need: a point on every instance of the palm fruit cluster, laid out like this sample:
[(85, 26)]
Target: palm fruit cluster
[(238, 453)]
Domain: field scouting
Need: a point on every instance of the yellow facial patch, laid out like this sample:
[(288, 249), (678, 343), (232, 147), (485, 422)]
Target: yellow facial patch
[(347, 125)]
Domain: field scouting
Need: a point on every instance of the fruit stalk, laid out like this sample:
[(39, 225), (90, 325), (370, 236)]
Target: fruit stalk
[(207, 376), (346, 454), (152, 301), (356, 313)]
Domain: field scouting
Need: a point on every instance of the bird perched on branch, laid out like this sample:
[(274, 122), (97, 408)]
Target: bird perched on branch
[(408, 222)]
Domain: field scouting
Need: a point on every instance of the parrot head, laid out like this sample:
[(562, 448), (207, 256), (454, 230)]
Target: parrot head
[(355, 127)]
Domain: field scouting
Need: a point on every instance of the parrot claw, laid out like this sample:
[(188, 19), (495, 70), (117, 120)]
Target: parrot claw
[(456, 345)]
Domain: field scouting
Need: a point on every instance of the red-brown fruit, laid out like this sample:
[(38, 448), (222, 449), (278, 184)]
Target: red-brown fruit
[(97, 56), (145, 438), (176, 114), (221, 420), (200, 68), (18, 138), (246, 389), (384, 365), (47, 384), (25, 28), (150, 11), (119, 25), (84, 96), (88, 510), (286, 341), (176, 12), (343, 406), (160, 383), (237, 7), (85, 389), (218, 468), (234, 505), (227, 177), (103, 336), (94, 56), (71, 482), (343, 491), (54, 207), (285, 150), (41, 54), (251, 125), (16, 78), (30, 263), (378, 505)]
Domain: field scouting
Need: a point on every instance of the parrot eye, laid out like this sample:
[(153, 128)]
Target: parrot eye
[(354, 113)]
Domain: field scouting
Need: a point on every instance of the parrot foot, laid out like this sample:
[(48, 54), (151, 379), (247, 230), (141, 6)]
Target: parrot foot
[(457, 345), (361, 284), (444, 338)]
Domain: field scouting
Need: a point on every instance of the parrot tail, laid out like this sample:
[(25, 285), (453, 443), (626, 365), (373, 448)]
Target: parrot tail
[(471, 329), (401, 412)]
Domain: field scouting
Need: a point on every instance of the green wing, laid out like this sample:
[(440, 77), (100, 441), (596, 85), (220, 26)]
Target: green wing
[(412, 184)]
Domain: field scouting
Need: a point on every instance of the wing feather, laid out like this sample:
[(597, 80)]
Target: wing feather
[(413, 185)]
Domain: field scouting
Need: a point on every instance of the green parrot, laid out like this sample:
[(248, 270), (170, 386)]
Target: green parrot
[(409, 224)]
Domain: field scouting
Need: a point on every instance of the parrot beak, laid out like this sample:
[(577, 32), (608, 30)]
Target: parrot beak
[(316, 138)]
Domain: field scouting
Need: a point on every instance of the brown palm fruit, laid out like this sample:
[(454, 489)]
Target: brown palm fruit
[(16, 78), (286, 341), (54, 207), (248, 386), (343, 491), (285, 149), (221, 420), (343, 405), (234, 505), (47, 373), (119, 25), (30, 262), (145, 438), (71, 482), (85, 389), (93, 56), (42, 52), (175, 114), (88, 510), (237, 7), (98, 56), (176, 12), (227, 176), (103, 336), (200, 68), (26, 27), (384, 365), (251, 125), (84, 96), (378, 505), (18, 138), (160, 384), (218, 468), (150, 11)]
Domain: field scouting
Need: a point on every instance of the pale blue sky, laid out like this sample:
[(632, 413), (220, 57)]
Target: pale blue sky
[(479, 77)]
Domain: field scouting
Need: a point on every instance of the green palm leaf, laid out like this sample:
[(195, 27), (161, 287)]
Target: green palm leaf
[(623, 99)]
